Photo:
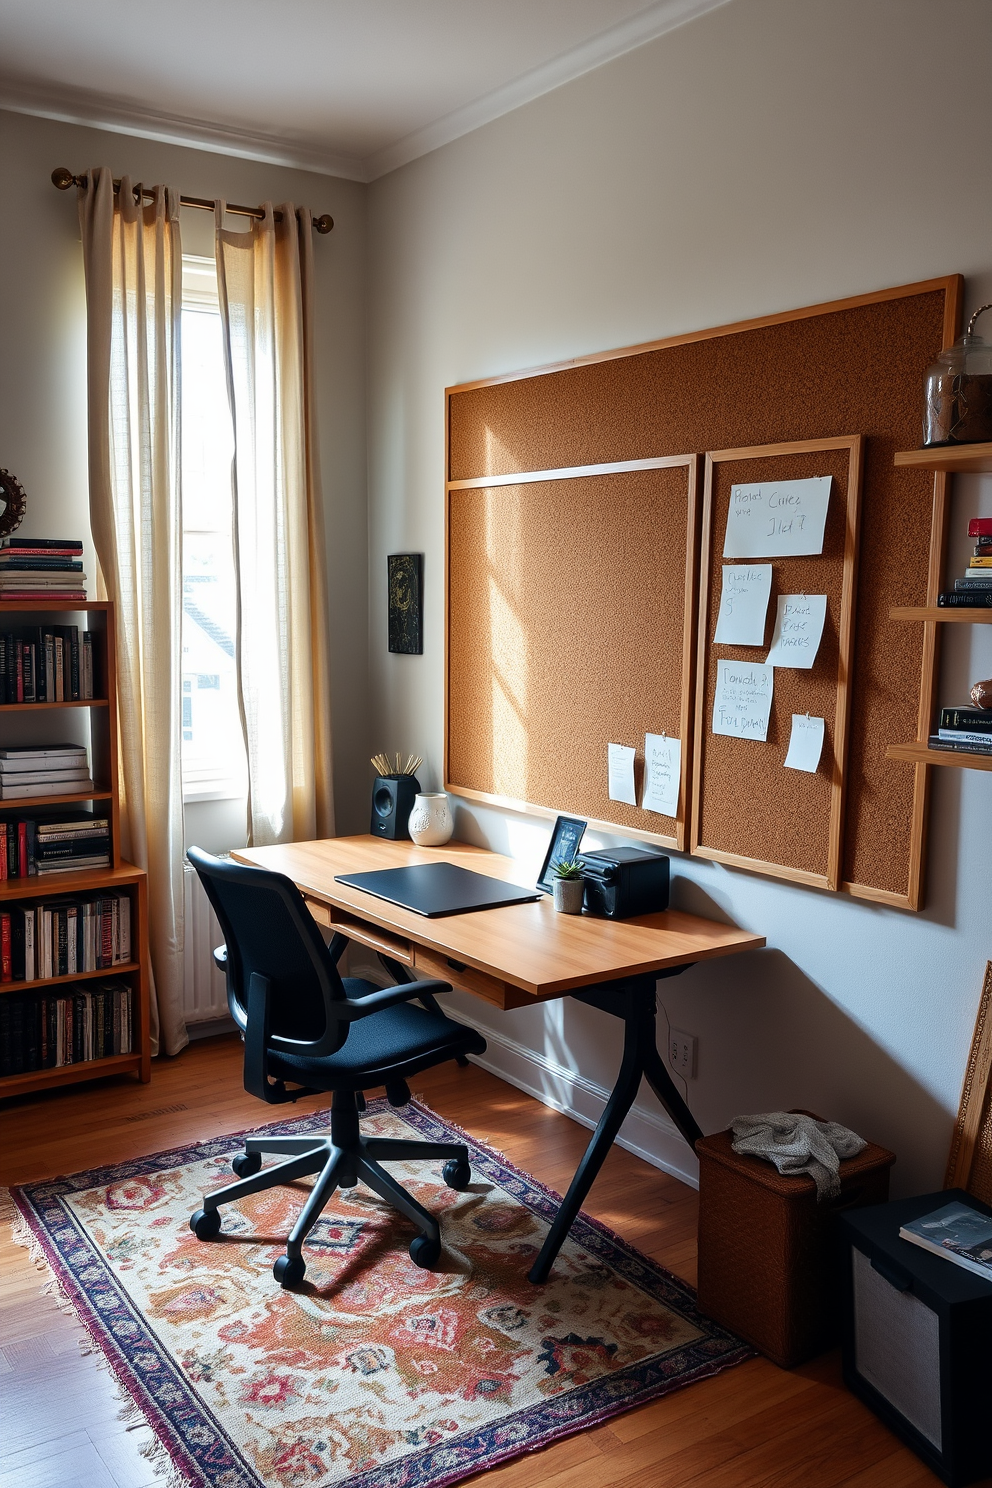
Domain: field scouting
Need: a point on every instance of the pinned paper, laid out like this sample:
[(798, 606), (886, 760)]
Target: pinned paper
[(662, 773), (798, 628), (620, 763), (805, 743), (743, 604), (743, 700), (777, 519)]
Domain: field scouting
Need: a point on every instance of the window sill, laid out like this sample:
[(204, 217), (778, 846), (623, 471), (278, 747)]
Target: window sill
[(218, 792)]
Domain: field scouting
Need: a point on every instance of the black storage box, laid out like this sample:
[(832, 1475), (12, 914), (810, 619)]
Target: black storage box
[(624, 881), (917, 1337)]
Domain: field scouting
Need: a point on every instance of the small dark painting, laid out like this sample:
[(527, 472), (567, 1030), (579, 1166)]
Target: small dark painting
[(406, 586)]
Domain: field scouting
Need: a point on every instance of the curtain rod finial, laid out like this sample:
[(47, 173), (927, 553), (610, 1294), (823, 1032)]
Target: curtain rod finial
[(63, 178), (323, 224)]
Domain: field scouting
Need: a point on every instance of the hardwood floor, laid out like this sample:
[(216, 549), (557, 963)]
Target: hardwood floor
[(756, 1426)]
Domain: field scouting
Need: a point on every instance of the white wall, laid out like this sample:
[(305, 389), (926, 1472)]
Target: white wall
[(43, 378), (769, 155)]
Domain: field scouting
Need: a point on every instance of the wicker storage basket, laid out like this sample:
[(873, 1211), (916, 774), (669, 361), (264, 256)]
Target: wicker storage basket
[(766, 1247)]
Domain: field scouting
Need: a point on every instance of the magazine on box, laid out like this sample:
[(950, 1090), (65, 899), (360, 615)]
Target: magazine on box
[(958, 1233)]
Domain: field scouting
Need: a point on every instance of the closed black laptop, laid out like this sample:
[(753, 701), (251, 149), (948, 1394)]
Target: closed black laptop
[(435, 889)]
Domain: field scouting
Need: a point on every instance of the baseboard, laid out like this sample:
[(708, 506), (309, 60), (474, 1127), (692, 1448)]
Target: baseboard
[(210, 1028), (647, 1133)]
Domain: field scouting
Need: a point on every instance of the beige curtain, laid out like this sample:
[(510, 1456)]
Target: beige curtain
[(133, 267), (265, 284)]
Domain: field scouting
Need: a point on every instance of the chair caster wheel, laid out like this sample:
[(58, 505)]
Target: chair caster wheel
[(289, 1271), (457, 1174), (425, 1252), (205, 1223), (246, 1163)]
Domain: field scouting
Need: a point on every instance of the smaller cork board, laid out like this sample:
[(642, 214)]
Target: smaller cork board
[(748, 810), (970, 1163), (571, 626)]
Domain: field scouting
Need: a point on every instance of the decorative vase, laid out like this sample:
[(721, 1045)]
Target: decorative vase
[(568, 894), (430, 822)]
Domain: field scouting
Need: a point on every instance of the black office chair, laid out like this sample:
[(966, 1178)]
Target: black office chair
[(302, 1022)]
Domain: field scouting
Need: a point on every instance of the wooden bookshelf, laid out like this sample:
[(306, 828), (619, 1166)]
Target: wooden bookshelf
[(957, 459), (967, 615), (98, 617), (922, 754)]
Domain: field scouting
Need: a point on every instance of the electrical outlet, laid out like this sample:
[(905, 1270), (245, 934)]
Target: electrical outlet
[(682, 1053)]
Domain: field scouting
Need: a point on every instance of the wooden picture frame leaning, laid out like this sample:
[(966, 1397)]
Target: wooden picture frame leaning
[(969, 1165)]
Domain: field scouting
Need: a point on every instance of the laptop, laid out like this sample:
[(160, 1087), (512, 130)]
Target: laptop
[(435, 889)]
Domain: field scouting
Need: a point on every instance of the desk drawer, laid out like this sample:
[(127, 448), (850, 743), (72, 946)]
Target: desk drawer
[(356, 929), (467, 979)]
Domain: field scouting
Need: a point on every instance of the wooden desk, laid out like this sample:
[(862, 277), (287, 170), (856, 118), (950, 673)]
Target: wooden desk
[(515, 956)]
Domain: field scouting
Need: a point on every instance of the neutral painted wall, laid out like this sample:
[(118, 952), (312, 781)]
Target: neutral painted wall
[(43, 377), (769, 155)]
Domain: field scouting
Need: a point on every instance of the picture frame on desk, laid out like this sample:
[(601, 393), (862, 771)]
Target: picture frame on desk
[(563, 847)]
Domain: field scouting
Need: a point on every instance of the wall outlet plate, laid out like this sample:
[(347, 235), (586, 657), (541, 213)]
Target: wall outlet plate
[(682, 1053)]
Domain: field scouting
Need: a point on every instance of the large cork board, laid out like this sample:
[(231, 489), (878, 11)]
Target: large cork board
[(747, 808), (571, 620), (850, 367)]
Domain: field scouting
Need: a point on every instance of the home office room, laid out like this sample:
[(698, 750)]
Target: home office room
[(497, 504)]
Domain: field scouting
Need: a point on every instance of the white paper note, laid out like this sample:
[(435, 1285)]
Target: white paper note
[(743, 604), (777, 519), (620, 764), (805, 743), (743, 699), (662, 773), (798, 628)]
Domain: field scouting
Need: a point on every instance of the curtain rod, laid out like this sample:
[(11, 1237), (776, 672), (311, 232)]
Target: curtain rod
[(63, 179)]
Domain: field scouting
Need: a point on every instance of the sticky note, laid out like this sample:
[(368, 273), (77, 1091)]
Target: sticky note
[(805, 743), (798, 628), (743, 604), (777, 519), (620, 767), (743, 700), (662, 774)]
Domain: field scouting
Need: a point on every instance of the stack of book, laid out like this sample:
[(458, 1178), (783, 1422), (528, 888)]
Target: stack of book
[(79, 1022), (974, 590), (42, 568), (966, 730), (46, 664), (68, 843), (62, 937), (28, 770)]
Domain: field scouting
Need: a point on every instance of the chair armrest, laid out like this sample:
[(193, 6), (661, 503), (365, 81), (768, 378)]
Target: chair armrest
[(220, 957), (386, 997)]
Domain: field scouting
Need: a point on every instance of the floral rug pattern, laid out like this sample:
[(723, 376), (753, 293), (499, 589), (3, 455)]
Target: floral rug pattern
[(374, 1374)]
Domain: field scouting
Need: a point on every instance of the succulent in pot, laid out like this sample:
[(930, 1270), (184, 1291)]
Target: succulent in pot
[(568, 886)]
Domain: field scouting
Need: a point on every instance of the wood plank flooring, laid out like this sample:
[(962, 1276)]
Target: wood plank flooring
[(756, 1426)]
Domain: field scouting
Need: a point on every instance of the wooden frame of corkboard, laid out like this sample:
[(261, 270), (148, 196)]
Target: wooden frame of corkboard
[(969, 1165), (555, 574), (849, 366), (797, 816)]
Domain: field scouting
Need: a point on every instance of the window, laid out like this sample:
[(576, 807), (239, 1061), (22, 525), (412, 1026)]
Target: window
[(213, 754)]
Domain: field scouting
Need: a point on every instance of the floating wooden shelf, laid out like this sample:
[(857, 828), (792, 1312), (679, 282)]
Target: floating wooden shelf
[(922, 754), (976, 458), (967, 615)]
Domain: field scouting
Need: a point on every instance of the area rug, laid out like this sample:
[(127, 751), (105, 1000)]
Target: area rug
[(375, 1374)]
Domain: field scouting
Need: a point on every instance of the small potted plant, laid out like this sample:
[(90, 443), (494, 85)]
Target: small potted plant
[(568, 886)]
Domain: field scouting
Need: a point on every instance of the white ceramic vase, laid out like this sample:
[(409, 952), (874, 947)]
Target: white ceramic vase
[(430, 822)]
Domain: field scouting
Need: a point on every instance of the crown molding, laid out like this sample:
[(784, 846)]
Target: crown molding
[(99, 111), (75, 106), (647, 25)]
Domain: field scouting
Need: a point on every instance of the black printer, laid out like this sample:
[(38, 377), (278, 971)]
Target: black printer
[(624, 881)]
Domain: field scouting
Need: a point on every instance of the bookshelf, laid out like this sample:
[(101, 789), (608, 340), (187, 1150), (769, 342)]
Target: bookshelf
[(960, 459), (40, 726)]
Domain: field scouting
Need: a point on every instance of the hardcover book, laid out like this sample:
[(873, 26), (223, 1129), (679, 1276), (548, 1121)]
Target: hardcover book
[(958, 1233)]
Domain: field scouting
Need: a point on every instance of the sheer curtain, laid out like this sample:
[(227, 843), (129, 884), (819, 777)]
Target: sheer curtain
[(133, 268), (265, 286)]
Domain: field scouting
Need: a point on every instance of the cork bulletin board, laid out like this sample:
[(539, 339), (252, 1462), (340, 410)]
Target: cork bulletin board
[(746, 807), (851, 367), (552, 585)]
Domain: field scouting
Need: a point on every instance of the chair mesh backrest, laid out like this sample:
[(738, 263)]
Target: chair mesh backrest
[(268, 929)]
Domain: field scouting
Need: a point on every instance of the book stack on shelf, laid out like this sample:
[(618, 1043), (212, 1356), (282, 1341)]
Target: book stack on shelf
[(28, 770), (74, 1025), (64, 937), (46, 664), (42, 568), (974, 590), (964, 730), (66, 843)]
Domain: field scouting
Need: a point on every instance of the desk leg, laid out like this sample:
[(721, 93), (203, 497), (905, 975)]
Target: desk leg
[(635, 1003)]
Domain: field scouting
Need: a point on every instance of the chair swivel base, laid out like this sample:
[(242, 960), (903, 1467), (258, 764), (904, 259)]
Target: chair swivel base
[(338, 1166)]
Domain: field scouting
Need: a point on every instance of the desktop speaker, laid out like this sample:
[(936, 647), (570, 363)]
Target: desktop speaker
[(392, 802)]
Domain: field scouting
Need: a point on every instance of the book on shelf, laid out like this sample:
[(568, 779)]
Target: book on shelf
[(70, 545), (974, 600), (965, 736), (29, 845), (980, 527), (957, 745), (980, 559), (35, 563), (73, 787), (46, 664), (967, 717), (68, 1025), (66, 935), (37, 771), (956, 1232), (973, 586), (983, 544), (15, 752)]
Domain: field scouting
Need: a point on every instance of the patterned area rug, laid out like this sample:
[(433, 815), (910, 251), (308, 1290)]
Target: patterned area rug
[(375, 1374)]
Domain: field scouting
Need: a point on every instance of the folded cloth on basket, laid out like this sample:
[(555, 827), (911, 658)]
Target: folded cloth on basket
[(798, 1144)]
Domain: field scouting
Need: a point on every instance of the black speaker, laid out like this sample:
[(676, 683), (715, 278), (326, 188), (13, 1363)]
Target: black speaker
[(392, 802)]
